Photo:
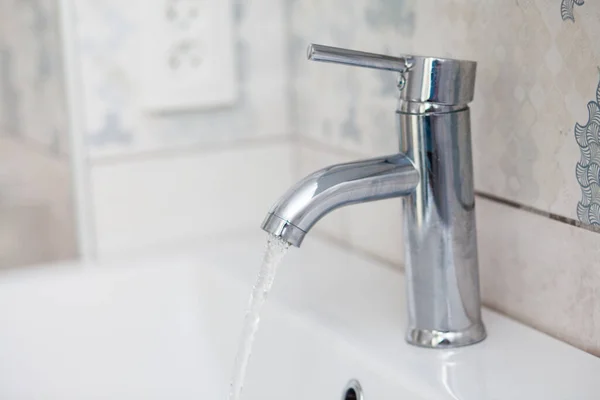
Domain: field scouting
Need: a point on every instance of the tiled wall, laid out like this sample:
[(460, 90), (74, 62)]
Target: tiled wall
[(36, 205), (111, 38), (536, 171), (155, 178)]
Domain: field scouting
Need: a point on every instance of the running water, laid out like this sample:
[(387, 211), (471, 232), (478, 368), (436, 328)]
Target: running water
[(276, 249)]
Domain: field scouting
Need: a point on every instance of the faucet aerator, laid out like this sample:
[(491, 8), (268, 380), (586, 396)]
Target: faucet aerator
[(283, 229)]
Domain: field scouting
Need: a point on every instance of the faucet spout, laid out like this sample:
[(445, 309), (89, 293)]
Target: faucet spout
[(339, 185)]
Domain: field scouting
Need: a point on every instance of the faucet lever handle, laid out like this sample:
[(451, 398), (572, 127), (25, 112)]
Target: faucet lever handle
[(422, 79), (318, 52)]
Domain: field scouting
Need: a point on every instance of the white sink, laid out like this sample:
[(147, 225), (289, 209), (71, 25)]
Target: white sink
[(165, 326)]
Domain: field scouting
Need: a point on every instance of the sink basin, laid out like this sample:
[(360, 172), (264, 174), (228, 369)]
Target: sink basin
[(165, 325)]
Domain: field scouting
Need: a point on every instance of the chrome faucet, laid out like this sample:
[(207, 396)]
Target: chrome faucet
[(433, 173)]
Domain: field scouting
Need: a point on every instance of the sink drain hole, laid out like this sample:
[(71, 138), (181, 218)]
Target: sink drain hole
[(353, 391)]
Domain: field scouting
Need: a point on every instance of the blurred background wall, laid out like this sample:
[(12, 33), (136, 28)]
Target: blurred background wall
[(37, 212), (159, 177), (147, 178)]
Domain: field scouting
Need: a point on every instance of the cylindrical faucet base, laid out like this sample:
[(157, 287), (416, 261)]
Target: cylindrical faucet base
[(439, 227)]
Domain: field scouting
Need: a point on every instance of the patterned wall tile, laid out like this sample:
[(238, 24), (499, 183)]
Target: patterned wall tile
[(525, 96), (586, 135), (535, 74), (588, 168), (355, 107), (566, 9), (110, 36)]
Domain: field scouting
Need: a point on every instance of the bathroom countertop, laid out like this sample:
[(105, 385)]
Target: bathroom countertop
[(361, 302), (144, 323)]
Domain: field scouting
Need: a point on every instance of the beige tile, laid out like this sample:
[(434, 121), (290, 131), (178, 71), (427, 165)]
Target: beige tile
[(350, 108), (376, 228), (541, 272), (36, 206), (26, 235)]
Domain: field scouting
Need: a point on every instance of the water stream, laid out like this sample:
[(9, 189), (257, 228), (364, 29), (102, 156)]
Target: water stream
[(276, 249)]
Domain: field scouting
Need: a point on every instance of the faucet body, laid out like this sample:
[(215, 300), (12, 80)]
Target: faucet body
[(441, 267), (433, 174)]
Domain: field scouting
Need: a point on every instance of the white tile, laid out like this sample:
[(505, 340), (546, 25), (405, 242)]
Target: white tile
[(150, 201)]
